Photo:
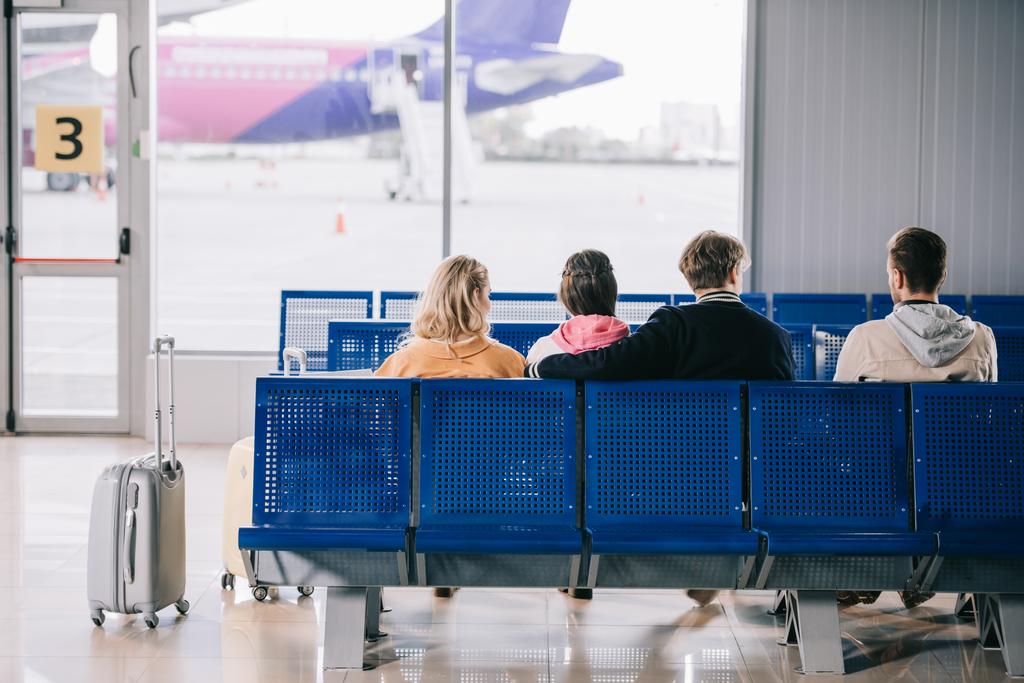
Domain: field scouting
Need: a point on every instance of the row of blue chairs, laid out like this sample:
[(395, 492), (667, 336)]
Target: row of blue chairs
[(305, 314), (804, 488), (358, 344)]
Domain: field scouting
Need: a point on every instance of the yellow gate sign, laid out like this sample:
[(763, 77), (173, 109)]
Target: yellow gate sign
[(69, 139)]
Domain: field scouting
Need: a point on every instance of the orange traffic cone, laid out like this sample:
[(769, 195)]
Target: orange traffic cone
[(339, 218)]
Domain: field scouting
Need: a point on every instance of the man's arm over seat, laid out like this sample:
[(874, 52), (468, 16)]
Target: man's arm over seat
[(649, 353)]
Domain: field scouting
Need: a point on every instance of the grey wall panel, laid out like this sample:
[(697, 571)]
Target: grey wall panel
[(877, 114)]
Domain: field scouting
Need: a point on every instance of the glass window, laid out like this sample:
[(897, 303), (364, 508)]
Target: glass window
[(69, 90), (616, 135), (324, 170), (69, 342), (290, 180)]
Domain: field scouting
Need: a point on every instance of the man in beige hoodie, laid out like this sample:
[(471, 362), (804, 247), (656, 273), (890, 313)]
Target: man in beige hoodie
[(920, 341)]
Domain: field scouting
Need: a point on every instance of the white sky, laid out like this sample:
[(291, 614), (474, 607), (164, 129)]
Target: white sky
[(672, 50)]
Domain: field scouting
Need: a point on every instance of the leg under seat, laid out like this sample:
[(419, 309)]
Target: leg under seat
[(351, 616), (812, 623)]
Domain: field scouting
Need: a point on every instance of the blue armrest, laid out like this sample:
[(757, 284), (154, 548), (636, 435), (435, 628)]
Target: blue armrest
[(674, 540), (307, 538), (517, 540), (913, 543)]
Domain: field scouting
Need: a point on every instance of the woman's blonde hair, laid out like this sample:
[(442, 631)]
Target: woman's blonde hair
[(450, 306)]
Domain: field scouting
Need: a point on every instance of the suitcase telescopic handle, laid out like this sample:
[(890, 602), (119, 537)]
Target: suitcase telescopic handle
[(298, 354), (158, 344)]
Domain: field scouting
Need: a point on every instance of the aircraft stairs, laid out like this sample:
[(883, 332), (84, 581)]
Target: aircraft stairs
[(421, 122)]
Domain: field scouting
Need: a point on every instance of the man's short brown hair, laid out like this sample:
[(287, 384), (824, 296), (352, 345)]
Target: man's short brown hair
[(921, 256), (709, 258)]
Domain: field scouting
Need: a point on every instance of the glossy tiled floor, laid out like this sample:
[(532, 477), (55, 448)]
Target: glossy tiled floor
[(479, 635)]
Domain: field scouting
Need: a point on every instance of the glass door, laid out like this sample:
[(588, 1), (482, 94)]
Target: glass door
[(70, 189)]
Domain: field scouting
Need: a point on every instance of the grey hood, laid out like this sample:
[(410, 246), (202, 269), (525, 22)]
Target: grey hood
[(933, 333)]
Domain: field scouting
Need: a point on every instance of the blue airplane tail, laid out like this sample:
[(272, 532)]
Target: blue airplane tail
[(504, 22)]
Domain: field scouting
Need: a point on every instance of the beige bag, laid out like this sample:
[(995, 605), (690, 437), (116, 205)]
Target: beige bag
[(237, 508)]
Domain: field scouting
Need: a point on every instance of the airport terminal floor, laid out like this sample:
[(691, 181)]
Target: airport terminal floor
[(477, 635)]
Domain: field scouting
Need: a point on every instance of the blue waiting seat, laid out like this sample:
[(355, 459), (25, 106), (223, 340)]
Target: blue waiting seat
[(498, 484), (331, 475), (1003, 311), (526, 307), (881, 304), (820, 309), (331, 498), (362, 344), (397, 305), (304, 318), (521, 336), (664, 485), (637, 308), (757, 301), (830, 497), (969, 490), (828, 342), (801, 338), (1010, 353)]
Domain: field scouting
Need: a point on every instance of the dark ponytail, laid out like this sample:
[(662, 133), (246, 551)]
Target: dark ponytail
[(588, 284)]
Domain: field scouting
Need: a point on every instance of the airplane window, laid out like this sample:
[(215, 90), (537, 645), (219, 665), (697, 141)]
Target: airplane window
[(289, 74), (215, 72), (245, 73), (200, 72), (230, 73), (350, 75), (170, 72)]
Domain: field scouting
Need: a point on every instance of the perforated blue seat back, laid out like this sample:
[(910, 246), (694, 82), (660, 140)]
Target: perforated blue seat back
[(757, 301), (397, 305), (521, 336), (1010, 353), (359, 344), (881, 304), (664, 452), (828, 457), (498, 452), (820, 309), (304, 318), (637, 308), (332, 452), (1004, 311), (828, 342), (968, 455), (801, 339), (526, 307)]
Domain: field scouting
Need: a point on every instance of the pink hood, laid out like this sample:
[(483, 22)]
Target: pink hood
[(589, 332)]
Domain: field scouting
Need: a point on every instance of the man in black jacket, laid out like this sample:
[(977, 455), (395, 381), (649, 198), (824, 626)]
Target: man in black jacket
[(716, 338)]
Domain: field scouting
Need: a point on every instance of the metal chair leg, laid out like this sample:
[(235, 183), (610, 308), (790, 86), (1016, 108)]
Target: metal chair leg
[(1001, 625), (345, 627), (812, 622)]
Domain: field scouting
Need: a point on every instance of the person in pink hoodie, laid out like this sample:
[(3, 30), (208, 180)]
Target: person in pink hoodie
[(589, 292)]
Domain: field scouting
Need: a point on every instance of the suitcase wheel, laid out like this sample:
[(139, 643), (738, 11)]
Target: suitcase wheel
[(305, 591), (98, 617), (260, 593), (151, 619), (227, 581), (182, 606)]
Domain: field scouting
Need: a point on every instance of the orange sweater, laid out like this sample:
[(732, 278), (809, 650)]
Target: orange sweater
[(479, 357)]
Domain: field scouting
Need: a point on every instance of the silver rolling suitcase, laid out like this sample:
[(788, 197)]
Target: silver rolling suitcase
[(137, 527)]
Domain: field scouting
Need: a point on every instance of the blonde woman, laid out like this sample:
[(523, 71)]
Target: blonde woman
[(449, 332)]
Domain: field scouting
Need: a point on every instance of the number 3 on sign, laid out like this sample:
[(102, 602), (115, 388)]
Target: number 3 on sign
[(69, 139)]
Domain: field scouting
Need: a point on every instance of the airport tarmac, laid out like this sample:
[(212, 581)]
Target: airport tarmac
[(234, 232)]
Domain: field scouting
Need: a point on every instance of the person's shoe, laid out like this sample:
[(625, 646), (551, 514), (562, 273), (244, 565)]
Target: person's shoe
[(581, 593), (703, 598), (914, 598), (444, 591)]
